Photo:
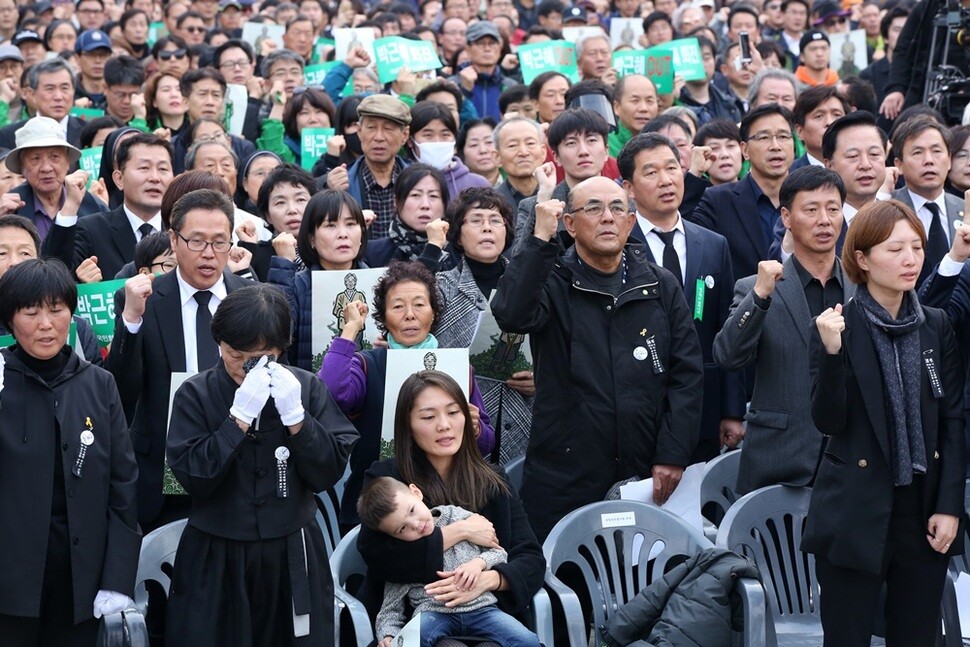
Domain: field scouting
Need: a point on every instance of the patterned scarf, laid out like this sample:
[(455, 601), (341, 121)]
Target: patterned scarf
[(410, 243)]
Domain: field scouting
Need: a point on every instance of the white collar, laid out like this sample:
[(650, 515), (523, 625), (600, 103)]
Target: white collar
[(648, 227), (919, 201), (136, 221), (187, 292)]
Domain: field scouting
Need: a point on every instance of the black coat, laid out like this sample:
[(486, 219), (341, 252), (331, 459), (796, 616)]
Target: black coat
[(8, 134), (852, 500), (143, 365), (393, 560), (104, 536), (105, 235), (605, 408)]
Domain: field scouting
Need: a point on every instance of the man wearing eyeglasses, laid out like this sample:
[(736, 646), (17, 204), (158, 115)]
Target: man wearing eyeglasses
[(625, 401), (123, 78), (93, 49), (164, 327), (90, 14), (236, 62)]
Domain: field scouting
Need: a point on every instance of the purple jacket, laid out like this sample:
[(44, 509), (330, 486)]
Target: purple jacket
[(344, 375), (459, 178)]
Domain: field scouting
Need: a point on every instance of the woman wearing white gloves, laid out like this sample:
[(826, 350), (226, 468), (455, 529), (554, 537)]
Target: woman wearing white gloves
[(70, 540), (251, 441)]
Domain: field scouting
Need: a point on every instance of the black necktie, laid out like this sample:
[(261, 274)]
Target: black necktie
[(936, 243), (671, 261), (146, 230), (205, 345)]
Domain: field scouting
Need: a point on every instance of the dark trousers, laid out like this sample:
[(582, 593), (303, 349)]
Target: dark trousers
[(55, 627), (913, 574)]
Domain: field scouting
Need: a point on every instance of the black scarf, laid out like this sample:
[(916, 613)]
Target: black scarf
[(898, 349), (408, 242)]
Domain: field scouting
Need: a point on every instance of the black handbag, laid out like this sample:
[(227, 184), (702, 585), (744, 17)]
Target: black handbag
[(125, 629)]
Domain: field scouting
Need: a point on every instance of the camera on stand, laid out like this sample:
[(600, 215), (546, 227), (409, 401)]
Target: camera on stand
[(947, 86)]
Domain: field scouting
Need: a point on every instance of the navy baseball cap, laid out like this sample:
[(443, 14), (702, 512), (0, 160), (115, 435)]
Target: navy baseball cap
[(91, 40)]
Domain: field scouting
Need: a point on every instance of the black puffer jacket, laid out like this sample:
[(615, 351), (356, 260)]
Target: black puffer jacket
[(693, 605)]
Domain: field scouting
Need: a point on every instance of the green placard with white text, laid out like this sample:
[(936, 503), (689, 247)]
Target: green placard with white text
[(657, 66), (96, 304), (551, 56), (91, 162), (395, 52), (313, 144), (686, 58), (86, 114)]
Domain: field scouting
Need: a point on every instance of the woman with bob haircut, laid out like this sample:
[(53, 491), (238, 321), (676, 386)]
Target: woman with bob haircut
[(280, 132), (888, 392), (251, 440), (332, 237), (451, 473), (67, 469)]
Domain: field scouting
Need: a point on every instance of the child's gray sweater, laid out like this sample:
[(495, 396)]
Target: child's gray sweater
[(391, 618)]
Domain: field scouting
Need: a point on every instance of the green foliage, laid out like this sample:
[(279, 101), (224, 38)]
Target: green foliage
[(482, 362)]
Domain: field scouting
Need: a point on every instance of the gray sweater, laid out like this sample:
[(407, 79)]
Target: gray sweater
[(391, 618)]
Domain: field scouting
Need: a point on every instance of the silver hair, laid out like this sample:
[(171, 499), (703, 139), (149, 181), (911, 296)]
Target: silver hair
[(582, 40), (771, 73), (367, 72), (279, 55), (194, 152), (505, 122), (48, 66)]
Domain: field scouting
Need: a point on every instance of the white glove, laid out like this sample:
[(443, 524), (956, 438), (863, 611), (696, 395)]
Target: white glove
[(108, 602), (285, 391), (252, 394)]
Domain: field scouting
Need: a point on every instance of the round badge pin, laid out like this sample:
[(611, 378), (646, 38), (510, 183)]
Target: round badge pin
[(709, 282), (87, 438), (640, 353), (282, 453)]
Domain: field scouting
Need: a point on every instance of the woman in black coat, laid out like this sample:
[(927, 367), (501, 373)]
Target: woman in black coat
[(888, 497), (251, 441), (450, 473)]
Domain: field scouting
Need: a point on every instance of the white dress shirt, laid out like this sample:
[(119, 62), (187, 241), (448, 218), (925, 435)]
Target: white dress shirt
[(656, 245), (926, 217), (136, 222)]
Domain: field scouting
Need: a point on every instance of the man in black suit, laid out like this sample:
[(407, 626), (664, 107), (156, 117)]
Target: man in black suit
[(164, 328), (50, 88), (144, 171), (701, 262), (49, 194), (745, 212)]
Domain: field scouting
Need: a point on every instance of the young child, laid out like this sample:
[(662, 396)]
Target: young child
[(396, 509)]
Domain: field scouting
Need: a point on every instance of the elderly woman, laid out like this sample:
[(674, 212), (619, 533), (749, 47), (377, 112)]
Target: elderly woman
[(332, 237), (406, 306), (451, 474), (253, 173), (418, 231), (888, 498), (251, 441), (70, 549), (479, 232)]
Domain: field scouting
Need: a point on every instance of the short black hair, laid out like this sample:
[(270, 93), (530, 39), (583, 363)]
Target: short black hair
[(237, 43), (149, 247), (92, 127), (760, 112), (590, 86), (811, 98), (627, 158), (323, 207), (809, 178), (535, 88), (548, 7), (859, 94), (253, 317), (405, 272), (717, 129), (858, 118), (899, 11), (440, 85), (190, 78), (424, 112), (35, 282), (576, 120), (123, 152), (201, 199), (129, 14), (282, 174), (477, 197), (738, 9), (409, 178), (463, 133), (19, 222), (915, 127), (512, 94), (657, 16), (660, 122)]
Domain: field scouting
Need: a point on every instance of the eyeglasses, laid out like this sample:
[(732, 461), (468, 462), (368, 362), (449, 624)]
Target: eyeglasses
[(167, 266), (764, 138), (596, 209), (167, 55), (199, 245), (292, 73), (477, 222), (215, 137), (240, 64)]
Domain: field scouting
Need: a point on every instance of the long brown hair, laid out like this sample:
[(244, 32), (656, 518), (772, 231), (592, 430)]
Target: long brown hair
[(472, 482)]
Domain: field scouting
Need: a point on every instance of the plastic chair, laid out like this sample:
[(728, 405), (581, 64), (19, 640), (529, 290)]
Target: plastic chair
[(328, 514), (156, 561), (345, 564), (601, 539), (718, 489), (514, 469)]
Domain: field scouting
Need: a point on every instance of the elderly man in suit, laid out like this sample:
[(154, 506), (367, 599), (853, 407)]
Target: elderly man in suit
[(770, 324), (701, 262), (922, 147), (745, 212), (50, 88), (164, 328), (49, 194), (144, 171)]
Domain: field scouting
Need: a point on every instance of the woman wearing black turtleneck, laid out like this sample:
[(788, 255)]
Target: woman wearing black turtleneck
[(479, 231), (69, 551)]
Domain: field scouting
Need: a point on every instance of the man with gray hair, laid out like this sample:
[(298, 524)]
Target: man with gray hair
[(286, 67), (50, 88), (521, 149), (773, 85), (594, 55)]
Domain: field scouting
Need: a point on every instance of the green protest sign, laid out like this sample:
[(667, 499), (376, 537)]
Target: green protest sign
[(86, 113), (314, 74), (96, 304), (686, 57), (321, 44), (156, 30), (91, 162), (551, 56), (393, 53), (657, 66), (313, 144)]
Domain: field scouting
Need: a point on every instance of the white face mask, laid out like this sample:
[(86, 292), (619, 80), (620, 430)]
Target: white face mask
[(436, 154)]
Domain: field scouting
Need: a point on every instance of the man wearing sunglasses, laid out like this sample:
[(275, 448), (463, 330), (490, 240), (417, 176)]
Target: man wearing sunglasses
[(93, 49), (191, 28)]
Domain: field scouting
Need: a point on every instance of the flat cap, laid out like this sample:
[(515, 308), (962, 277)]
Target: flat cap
[(386, 107)]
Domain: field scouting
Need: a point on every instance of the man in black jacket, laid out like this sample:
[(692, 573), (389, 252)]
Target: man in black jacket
[(616, 356)]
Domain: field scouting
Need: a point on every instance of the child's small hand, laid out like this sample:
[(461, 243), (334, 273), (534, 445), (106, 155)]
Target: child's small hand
[(386, 641), (466, 575)]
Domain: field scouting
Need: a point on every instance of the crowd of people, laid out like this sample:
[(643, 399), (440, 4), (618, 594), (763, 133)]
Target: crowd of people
[(771, 257)]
